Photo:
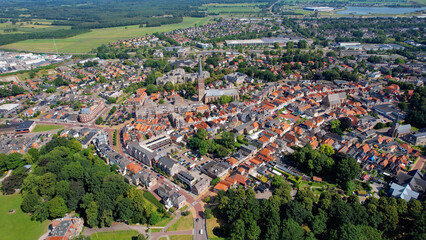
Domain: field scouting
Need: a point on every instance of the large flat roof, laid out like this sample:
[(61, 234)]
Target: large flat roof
[(8, 106), (221, 92)]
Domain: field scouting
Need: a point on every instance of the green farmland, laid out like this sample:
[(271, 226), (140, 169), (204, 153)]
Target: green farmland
[(83, 43), (233, 9)]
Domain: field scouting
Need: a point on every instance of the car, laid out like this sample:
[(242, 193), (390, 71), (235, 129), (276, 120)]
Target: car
[(201, 231), (161, 177), (197, 220), (158, 175)]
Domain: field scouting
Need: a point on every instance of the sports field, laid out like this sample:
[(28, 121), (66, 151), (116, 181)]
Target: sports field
[(83, 43), (18, 225)]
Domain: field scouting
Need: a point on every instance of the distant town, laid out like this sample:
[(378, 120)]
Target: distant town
[(242, 128)]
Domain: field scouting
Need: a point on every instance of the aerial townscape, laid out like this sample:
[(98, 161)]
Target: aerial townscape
[(212, 119)]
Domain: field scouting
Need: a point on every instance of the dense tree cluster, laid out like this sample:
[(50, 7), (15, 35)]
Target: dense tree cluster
[(335, 167), (61, 33), (222, 147), (417, 108), (310, 217), (15, 90), (68, 178)]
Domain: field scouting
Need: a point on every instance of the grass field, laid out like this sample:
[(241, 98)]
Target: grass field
[(116, 235), (152, 199), (211, 224), (184, 223), (85, 42), (238, 8), (181, 237), (25, 27), (164, 222), (18, 225), (45, 127)]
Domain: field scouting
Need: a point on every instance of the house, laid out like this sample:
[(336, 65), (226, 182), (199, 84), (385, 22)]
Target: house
[(409, 185), (334, 100), (186, 178), (171, 197), (215, 169), (200, 186), (168, 165), (65, 228), (144, 178)]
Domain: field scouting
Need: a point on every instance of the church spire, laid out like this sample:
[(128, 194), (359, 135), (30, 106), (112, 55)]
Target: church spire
[(201, 87), (200, 71)]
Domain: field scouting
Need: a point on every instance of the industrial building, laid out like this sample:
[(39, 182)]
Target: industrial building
[(263, 41)]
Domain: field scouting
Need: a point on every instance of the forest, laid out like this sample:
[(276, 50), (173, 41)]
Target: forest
[(67, 178), (329, 216)]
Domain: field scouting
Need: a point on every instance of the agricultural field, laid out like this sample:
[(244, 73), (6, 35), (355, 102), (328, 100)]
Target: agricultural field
[(85, 42), (233, 9), (29, 27), (18, 225), (116, 235)]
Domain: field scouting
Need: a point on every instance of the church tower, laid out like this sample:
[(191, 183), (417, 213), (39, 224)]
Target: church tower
[(201, 87)]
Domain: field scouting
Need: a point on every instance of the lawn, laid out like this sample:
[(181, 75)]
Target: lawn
[(164, 222), (116, 235), (152, 199), (181, 237), (18, 225), (184, 223), (85, 42), (212, 223), (45, 127)]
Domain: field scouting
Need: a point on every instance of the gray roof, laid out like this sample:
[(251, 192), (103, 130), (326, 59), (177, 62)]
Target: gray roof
[(405, 193), (186, 175), (168, 162), (404, 129), (221, 92)]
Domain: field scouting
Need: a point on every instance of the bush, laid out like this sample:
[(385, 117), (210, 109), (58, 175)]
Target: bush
[(186, 213), (215, 181)]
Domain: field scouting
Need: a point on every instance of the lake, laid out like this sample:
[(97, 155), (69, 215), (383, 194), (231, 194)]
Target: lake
[(378, 10)]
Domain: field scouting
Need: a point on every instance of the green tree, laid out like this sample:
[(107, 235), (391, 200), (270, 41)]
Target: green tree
[(92, 214), (291, 230), (99, 121), (46, 185), (154, 218), (252, 230), (238, 230), (228, 140), (30, 202), (277, 181), (208, 213), (57, 207), (201, 133), (327, 149)]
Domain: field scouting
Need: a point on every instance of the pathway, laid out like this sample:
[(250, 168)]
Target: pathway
[(7, 175)]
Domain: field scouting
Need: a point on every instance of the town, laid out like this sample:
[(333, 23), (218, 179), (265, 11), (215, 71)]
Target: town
[(242, 128)]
